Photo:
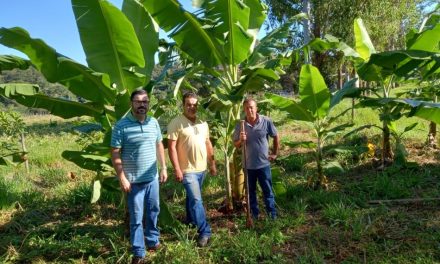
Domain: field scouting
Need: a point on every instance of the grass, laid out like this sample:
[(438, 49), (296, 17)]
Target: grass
[(46, 217)]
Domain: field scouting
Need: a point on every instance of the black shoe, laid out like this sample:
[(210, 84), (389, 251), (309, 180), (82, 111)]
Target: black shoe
[(137, 260), (203, 241)]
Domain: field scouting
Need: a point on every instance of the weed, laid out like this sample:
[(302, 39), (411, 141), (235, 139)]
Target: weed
[(337, 213), (292, 162)]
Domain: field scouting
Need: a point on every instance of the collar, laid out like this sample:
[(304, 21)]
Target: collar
[(195, 121), (131, 117), (256, 120)]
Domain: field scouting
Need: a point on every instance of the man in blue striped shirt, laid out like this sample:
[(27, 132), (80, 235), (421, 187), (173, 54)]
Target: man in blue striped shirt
[(136, 148)]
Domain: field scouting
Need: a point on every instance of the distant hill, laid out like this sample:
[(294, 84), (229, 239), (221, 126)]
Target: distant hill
[(34, 77)]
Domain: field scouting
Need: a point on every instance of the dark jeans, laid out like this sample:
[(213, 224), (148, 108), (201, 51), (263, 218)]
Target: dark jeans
[(264, 178)]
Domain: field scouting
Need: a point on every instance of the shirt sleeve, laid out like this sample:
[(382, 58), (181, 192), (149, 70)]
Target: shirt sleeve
[(158, 132), (116, 141), (172, 131), (271, 130)]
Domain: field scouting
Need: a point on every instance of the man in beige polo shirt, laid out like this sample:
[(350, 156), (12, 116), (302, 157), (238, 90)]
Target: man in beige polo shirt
[(189, 149)]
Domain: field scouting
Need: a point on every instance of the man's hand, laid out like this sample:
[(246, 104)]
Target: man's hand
[(125, 184), (163, 175), (243, 136), (179, 175), (272, 157), (213, 169)]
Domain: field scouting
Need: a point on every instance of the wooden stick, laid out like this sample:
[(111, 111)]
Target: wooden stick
[(249, 221), (413, 200), (23, 147)]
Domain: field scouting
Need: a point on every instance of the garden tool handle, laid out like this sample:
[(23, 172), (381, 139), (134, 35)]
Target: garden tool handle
[(249, 221)]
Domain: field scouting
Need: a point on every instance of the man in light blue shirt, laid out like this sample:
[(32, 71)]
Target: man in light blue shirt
[(136, 148)]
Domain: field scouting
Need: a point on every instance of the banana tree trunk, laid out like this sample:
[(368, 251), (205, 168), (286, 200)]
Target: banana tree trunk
[(387, 154), (237, 178), (340, 80), (229, 206), (322, 180), (236, 172), (432, 131)]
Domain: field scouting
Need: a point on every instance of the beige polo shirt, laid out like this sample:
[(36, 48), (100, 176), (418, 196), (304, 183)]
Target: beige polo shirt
[(190, 143)]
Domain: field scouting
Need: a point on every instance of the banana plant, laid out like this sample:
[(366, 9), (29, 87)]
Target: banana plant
[(217, 45), (119, 47), (428, 77), (385, 68), (314, 107)]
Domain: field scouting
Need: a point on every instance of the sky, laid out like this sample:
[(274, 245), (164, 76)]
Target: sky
[(50, 20)]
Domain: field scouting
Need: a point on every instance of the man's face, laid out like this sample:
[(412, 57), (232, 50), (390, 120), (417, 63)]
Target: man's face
[(139, 104), (190, 107), (250, 109)]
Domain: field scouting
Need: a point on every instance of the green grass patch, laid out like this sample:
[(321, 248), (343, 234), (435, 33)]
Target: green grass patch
[(46, 215)]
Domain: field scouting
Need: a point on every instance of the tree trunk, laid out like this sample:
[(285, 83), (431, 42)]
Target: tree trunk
[(23, 147), (432, 134), (306, 22), (387, 154), (229, 206), (306, 25), (322, 180), (237, 178), (432, 131), (340, 80)]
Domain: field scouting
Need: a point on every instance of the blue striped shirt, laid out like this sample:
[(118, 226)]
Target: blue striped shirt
[(137, 142)]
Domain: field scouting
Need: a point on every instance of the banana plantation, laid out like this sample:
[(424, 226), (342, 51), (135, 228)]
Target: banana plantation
[(357, 177)]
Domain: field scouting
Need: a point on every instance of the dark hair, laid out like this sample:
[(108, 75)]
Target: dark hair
[(138, 91), (248, 100), (188, 95)]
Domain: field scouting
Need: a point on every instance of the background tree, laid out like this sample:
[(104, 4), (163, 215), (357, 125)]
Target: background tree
[(335, 17), (12, 127)]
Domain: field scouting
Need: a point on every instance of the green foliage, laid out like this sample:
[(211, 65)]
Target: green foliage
[(335, 18), (249, 247), (182, 251), (338, 213), (314, 107), (388, 187), (11, 124), (292, 163), (12, 128)]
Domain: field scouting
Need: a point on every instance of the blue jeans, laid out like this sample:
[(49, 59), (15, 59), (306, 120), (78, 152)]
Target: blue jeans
[(195, 211), (264, 177), (143, 197)]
